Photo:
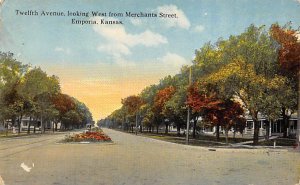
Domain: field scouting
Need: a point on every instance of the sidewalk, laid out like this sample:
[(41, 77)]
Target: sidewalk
[(260, 140)]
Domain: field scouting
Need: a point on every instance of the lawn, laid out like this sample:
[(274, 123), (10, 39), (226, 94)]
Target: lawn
[(200, 140), (211, 141)]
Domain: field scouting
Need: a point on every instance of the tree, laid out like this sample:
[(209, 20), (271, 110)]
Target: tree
[(132, 105), (289, 58), (160, 100), (177, 108), (37, 88), (84, 113), (148, 94), (250, 64), (63, 103), (227, 114), (239, 80), (11, 74), (118, 117), (201, 100)]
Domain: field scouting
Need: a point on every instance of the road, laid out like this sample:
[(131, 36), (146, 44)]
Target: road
[(136, 160)]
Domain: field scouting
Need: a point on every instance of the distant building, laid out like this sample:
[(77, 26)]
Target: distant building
[(25, 122), (276, 128)]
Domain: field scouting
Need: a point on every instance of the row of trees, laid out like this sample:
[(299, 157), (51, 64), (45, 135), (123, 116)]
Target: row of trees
[(254, 72), (27, 91)]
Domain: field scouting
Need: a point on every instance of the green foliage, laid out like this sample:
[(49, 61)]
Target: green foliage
[(26, 91), (244, 71)]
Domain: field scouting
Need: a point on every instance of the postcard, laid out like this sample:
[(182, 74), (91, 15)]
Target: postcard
[(192, 92)]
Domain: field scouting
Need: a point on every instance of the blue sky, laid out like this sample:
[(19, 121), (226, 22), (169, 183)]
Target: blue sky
[(100, 64)]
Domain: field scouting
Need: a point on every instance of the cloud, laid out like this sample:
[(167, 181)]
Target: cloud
[(199, 28), (173, 60), (63, 50), (298, 1), (136, 22), (181, 21), (119, 41), (115, 49), (123, 63)]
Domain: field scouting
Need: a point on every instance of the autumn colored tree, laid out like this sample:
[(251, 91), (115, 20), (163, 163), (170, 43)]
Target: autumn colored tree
[(227, 114), (289, 58), (26, 91), (244, 68), (160, 100), (250, 65), (238, 79), (201, 100), (63, 103), (132, 105)]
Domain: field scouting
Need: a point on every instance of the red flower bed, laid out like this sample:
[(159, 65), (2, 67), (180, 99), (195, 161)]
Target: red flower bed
[(94, 136)]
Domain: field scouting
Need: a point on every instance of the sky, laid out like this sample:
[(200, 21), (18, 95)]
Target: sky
[(101, 64)]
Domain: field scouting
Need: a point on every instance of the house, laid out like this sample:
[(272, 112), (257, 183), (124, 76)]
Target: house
[(275, 128), (34, 123)]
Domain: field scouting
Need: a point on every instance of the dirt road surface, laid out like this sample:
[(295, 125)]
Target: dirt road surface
[(136, 160)]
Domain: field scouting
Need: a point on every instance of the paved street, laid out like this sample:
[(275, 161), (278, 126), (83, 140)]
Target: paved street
[(136, 160)]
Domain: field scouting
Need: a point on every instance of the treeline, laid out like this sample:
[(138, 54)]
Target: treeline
[(27, 91), (251, 73)]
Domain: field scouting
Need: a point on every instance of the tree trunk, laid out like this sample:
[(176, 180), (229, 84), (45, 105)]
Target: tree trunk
[(234, 132), (256, 131), (285, 122), (29, 123), (167, 128), (268, 129), (44, 130), (157, 129), (19, 124), (218, 131), (194, 128), (226, 135), (178, 129), (136, 124), (256, 123), (6, 132), (42, 124)]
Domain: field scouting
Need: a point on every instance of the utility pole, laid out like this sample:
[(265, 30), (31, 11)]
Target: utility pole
[(136, 123), (188, 112), (298, 115)]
